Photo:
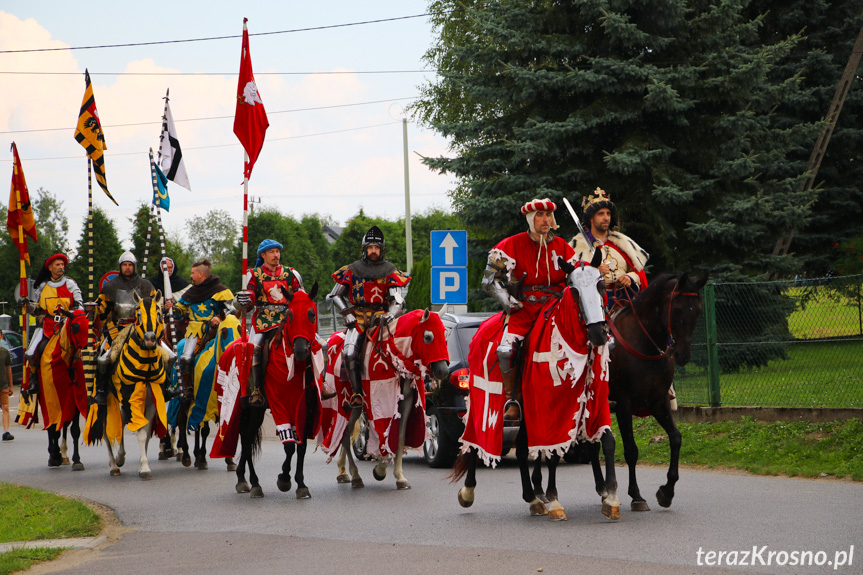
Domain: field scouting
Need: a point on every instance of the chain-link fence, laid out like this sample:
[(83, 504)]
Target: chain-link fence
[(787, 343)]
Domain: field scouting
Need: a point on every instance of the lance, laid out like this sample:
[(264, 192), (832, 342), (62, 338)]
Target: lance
[(166, 277)]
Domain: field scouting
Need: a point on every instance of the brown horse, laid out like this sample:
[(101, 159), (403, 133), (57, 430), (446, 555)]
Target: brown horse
[(652, 334)]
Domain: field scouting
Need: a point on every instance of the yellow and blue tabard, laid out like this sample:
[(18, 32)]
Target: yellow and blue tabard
[(200, 314)]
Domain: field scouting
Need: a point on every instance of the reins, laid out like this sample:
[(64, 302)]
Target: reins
[(671, 343)]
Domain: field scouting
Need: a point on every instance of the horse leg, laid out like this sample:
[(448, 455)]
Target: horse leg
[(302, 490), (283, 481), (665, 493), (54, 457), (112, 462), (536, 479), (182, 437), (537, 507), (341, 461), (143, 436), (76, 434), (256, 419), (598, 478), (556, 512), (245, 454), (610, 503), (405, 407), (356, 480), (201, 433), (64, 447), (467, 493), (630, 454)]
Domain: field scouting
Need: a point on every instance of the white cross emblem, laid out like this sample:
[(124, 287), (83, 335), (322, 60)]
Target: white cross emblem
[(551, 357), (489, 387)]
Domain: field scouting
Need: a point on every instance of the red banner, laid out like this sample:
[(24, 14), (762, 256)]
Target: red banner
[(250, 120)]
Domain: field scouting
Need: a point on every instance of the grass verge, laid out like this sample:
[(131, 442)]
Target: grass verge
[(798, 449), (30, 515)]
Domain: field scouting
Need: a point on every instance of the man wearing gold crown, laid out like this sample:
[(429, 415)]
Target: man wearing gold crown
[(622, 259), (523, 274)]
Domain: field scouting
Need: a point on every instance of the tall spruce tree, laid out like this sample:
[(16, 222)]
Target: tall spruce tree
[(668, 106), (107, 250)]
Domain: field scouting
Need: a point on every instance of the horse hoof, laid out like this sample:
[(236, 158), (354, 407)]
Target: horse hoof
[(640, 506), (611, 511), (65, 461), (662, 498), (256, 492), (243, 487), (78, 467), (357, 483), (54, 461), (187, 461), (343, 478), (232, 467), (557, 515), (403, 484), (115, 472), (284, 484), (462, 500), (303, 493), (179, 456), (145, 475), (164, 456), (377, 475), (203, 465), (538, 508)]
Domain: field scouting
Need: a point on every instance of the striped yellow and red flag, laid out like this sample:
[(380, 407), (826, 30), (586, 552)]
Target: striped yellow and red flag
[(89, 134), (19, 221)]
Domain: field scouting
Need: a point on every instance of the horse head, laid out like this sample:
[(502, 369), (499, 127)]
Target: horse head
[(684, 308), (76, 327), (429, 344), (301, 323), (149, 325), (587, 287)]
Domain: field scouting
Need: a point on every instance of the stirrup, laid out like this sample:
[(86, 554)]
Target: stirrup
[(506, 407)]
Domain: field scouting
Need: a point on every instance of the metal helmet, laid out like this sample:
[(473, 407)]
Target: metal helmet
[(374, 237), (128, 257)]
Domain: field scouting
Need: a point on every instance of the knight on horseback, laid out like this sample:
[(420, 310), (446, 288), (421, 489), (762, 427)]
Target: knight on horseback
[(523, 274), (367, 292), (264, 293), (54, 291), (623, 260), (204, 304), (116, 308)]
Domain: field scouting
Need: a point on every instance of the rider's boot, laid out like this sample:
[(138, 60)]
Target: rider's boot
[(507, 354), (512, 388), (256, 388)]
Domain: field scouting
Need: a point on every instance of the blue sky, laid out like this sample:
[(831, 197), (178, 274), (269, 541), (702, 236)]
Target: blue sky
[(328, 161)]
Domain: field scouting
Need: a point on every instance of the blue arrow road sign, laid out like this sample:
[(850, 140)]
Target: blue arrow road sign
[(449, 285), (449, 248)]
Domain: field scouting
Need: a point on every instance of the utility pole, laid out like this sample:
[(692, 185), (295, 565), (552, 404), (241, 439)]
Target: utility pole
[(409, 241), (252, 201), (784, 243)]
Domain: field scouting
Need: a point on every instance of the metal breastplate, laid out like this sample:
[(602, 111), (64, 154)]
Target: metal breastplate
[(124, 305)]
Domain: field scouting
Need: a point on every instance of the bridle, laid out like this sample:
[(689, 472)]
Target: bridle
[(671, 343)]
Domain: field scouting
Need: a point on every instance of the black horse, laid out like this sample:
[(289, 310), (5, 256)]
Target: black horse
[(652, 334)]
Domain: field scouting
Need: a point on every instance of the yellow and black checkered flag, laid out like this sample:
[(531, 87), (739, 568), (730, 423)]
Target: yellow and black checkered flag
[(89, 134)]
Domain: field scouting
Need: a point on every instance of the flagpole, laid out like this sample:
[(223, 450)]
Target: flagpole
[(24, 290), (244, 282)]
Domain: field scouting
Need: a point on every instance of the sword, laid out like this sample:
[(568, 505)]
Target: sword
[(580, 227)]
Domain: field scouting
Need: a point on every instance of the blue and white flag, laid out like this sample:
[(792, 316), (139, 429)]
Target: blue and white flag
[(160, 186), (172, 156)]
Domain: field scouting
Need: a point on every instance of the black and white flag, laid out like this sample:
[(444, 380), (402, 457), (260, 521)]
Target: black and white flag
[(172, 156)]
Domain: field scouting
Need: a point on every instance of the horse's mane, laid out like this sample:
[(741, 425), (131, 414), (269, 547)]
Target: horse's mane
[(652, 296)]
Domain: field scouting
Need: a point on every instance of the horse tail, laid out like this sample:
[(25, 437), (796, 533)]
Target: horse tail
[(256, 442), (460, 467)]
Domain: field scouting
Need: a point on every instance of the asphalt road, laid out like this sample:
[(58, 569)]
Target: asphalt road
[(190, 521)]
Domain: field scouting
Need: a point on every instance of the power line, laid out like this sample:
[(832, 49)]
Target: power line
[(333, 72), (224, 145), (216, 117), (233, 37)]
